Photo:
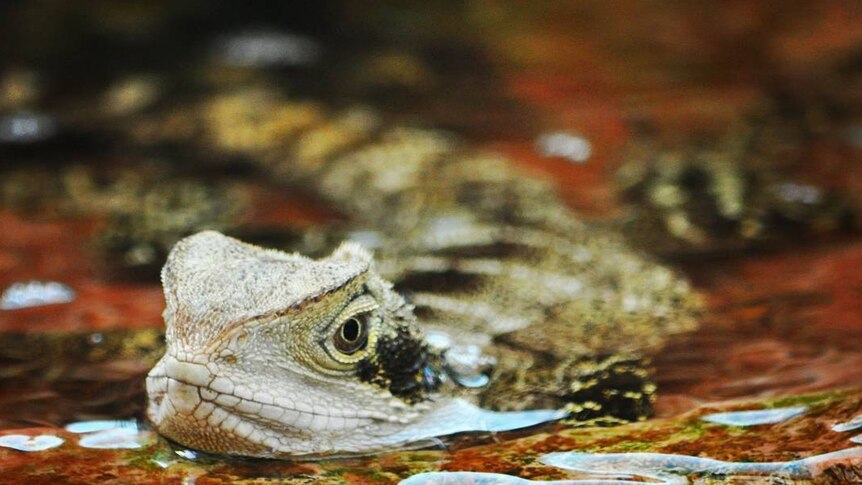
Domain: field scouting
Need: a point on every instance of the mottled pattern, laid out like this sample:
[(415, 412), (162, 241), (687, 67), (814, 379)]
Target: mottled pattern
[(484, 254), (727, 195)]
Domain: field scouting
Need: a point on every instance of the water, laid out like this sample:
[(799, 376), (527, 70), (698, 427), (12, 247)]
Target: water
[(755, 418), (676, 469), (560, 88), (35, 293), (634, 468), (480, 478), (461, 416), (846, 426), (23, 442)]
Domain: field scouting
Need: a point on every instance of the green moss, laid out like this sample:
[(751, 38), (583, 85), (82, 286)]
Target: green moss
[(813, 401), (146, 457)]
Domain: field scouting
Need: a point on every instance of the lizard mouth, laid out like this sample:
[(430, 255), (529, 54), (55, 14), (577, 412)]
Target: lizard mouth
[(187, 395)]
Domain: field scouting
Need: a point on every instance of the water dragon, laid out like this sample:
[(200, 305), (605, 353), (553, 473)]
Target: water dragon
[(483, 288)]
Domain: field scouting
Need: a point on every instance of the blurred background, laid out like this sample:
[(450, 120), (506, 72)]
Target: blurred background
[(120, 132)]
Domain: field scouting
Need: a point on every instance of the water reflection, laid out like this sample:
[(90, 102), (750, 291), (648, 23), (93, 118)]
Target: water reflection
[(851, 425), (99, 425), (676, 469), (26, 128), (460, 416), (757, 417), (110, 434), (572, 147), (266, 48), (23, 442), (35, 293), (480, 478)]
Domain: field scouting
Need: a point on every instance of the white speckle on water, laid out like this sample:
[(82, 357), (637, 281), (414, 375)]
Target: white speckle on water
[(438, 341), (187, 454), (115, 439), (572, 147), (467, 365), (110, 434), (23, 442), (799, 193), (267, 48), (26, 128), (35, 293), (100, 425)]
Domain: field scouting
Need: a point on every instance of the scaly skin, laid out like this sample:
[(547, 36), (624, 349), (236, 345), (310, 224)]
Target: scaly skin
[(251, 366), (254, 365)]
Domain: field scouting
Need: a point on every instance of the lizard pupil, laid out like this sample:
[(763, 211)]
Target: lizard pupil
[(351, 336)]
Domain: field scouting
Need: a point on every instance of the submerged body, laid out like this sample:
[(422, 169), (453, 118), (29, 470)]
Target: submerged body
[(276, 354), (485, 291)]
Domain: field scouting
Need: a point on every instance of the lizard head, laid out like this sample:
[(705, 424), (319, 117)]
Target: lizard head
[(274, 354)]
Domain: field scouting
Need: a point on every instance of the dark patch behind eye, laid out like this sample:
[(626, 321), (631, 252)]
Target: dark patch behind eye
[(399, 364)]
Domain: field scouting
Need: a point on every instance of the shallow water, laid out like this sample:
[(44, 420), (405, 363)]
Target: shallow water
[(562, 90), (678, 469), (755, 418)]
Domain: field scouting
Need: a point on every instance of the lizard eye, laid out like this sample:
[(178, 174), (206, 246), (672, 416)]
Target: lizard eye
[(352, 335)]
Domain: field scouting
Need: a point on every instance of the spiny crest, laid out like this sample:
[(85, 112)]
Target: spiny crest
[(212, 281)]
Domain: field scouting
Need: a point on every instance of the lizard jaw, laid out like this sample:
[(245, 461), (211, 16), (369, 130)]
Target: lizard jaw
[(195, 407)]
